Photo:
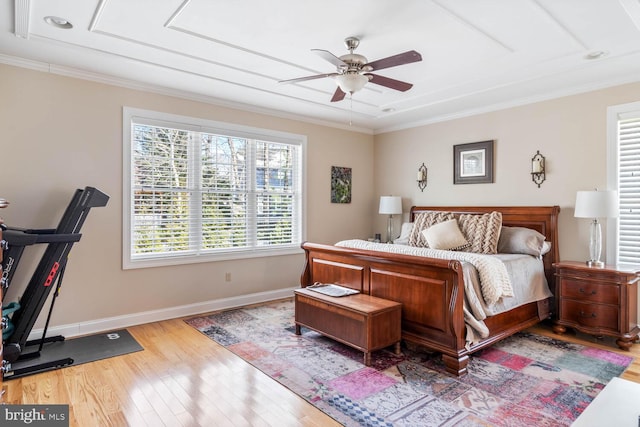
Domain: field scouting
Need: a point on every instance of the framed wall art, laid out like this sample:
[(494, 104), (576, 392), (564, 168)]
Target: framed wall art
[(473, 163), (340, 184)]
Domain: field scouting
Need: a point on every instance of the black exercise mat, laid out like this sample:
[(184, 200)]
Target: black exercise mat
[(81, 350)]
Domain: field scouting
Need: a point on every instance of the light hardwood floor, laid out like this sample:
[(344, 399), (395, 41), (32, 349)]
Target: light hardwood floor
[(182, 378)]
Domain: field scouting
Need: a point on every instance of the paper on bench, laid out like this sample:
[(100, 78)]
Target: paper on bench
[(332, 290)]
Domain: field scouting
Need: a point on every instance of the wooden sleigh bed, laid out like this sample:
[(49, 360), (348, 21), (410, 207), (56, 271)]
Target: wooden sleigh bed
[(432, 290)]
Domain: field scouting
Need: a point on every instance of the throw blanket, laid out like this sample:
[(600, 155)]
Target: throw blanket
[(494, 279)]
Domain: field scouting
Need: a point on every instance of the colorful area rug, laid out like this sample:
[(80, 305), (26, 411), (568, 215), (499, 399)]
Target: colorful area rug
[(525, 380)]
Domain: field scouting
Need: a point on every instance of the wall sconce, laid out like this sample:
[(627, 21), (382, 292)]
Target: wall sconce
[(537, 169), (422, 177)]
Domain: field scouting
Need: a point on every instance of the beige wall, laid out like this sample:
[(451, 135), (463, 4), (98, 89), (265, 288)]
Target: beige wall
[(60, 133), (570, 132)]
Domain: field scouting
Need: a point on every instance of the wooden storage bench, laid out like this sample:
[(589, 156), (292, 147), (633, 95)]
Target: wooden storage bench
[(360, 321)]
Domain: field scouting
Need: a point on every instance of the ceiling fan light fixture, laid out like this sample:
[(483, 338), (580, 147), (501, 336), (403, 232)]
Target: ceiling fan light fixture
[(351, 82)]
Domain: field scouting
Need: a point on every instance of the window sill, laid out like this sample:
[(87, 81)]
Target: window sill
[(194, 259)]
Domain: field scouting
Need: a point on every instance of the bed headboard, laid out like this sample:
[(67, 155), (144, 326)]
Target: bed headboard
[(543, 219)]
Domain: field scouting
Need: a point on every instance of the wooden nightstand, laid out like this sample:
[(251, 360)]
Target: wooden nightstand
[(597, 301)]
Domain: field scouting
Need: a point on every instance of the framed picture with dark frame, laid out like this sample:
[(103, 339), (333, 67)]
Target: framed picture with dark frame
[(473, 163)]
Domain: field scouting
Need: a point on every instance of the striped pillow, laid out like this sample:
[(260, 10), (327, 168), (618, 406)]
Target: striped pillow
[(482, 231)]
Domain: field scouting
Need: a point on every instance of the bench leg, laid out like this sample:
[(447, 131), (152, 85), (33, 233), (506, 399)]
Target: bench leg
[(367, 358), (397, 349), (297, 329)]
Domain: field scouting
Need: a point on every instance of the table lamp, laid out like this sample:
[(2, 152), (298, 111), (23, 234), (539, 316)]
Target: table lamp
[(390, 205), (596, 204)]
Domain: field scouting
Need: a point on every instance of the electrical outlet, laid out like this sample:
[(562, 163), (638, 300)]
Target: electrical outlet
[(227, 277)]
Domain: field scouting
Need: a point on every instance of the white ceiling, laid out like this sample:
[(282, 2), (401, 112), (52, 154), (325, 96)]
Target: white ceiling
[(478, 55)]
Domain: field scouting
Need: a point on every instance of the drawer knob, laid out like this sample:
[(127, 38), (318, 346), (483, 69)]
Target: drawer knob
[(582, 291), (583, 314)]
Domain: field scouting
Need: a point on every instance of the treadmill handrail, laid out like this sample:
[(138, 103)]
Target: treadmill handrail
[(33, 230), (18, 238)]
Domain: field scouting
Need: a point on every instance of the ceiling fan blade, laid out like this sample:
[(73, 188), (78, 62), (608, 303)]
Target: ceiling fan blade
[(390, 83), (395, 60), (302, 79), (338, 95), (328, 56)]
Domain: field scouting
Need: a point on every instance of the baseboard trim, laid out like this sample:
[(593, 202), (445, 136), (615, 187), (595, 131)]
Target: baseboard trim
[(119, 322)]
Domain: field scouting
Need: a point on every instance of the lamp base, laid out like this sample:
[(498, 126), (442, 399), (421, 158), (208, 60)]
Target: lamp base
[(595, 264)]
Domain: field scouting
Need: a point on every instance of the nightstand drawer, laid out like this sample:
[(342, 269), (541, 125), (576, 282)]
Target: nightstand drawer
[(589, 291), (590, 315), (582, 272)]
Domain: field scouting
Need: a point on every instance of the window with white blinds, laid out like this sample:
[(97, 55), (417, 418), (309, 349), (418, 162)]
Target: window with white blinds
[(200, 190), (624, 159)]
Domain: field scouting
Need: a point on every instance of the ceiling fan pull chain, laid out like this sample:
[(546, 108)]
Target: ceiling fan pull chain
[(351, 108)]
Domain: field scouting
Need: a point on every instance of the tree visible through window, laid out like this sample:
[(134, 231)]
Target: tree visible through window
[(201, 192)]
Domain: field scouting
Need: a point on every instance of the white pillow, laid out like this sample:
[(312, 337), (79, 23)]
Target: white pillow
[(424, 220), (405, 232), (445, 235)]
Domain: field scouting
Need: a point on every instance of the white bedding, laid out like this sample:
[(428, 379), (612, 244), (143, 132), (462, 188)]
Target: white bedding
[(510, 280)]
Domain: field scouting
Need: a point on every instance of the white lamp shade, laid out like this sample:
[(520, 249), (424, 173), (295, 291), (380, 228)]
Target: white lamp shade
[(596, 204), (350, 83), (390, 205)]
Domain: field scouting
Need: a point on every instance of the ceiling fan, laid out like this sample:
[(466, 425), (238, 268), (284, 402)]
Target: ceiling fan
[(353, 71)]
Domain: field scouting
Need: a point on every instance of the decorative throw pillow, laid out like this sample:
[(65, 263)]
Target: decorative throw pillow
[(482, 231), (423, 221), (522, 240), (446, 236)]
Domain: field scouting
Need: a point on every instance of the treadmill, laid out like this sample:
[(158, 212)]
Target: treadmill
[(47, 275)]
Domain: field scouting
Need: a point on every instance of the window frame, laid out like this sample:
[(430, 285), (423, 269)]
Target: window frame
[(155, 118), (614, 114)]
